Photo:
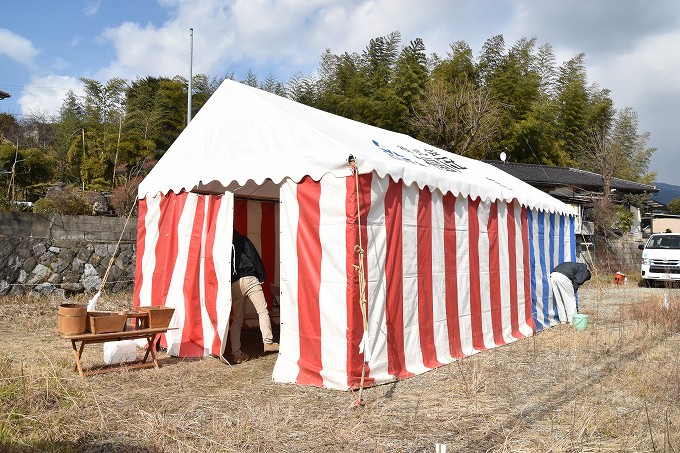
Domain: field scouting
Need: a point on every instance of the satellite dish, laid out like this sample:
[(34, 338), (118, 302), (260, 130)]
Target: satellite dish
[(503, 156)]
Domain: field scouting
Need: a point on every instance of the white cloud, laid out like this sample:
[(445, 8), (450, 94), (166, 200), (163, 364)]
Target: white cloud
[(17, 48), (290, 35), (645, 71), (645, 78), (597, 27), (92, 7), (46, 94)]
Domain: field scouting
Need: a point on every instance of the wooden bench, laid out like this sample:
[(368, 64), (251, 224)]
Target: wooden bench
[(138, 333)]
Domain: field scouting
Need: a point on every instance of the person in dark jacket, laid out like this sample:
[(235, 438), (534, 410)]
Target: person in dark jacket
[(246, 282), (565, 280)]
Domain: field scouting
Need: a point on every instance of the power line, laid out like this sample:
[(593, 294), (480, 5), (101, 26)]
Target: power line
[(34, 88)]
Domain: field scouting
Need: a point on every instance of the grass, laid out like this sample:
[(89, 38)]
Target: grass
[(612, 387)]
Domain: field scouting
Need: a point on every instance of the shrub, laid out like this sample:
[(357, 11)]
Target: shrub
[(68, 200), (124, 197), (5, 205)]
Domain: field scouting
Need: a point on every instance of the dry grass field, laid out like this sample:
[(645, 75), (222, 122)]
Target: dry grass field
[(612, 387)]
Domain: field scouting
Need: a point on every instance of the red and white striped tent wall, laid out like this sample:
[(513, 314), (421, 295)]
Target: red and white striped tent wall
[(457, 253)]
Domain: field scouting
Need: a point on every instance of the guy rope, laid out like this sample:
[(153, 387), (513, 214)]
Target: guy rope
[(364, 346), (92, 302)]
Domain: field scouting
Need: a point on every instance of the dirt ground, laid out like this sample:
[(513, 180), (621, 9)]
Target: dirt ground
[(613, 387)]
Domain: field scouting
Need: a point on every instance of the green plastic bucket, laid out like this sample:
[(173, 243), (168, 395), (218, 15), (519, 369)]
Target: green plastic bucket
[(580, 321)]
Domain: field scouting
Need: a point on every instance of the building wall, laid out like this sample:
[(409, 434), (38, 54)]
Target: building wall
[(64, 255), (660, 225)]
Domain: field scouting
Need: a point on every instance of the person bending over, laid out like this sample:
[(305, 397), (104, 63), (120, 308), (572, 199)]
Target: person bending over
[(565, 279), (246, 282)]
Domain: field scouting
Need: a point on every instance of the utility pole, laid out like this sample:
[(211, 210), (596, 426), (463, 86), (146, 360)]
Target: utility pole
[(115, 160), (191, 64), (83, 130)]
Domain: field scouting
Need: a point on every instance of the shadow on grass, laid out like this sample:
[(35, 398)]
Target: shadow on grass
[(85, 444)]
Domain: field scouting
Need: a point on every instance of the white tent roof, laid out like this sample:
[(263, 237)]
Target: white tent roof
[(248, 141)]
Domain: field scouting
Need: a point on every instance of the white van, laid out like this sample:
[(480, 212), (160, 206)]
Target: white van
[(661, 258)]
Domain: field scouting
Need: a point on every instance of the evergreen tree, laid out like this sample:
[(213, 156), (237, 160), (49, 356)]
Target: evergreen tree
[(69, 129), (674, 206), (303, 89), (273, 86), (546, 67), (251, 79), (411, 74), (491, 57), (103, 113), (458, 66), (572, 102)]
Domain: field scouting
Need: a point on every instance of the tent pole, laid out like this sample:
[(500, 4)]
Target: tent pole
[(191, 70)]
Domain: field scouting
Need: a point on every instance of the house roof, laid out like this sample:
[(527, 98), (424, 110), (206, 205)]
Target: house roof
[(545, 176), (247, 141), (4, 94)]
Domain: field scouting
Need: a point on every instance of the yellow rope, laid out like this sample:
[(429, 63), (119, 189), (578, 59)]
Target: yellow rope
[(113, 256), (362, 279)]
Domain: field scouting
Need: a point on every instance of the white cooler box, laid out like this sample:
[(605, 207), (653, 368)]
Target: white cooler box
[(120, 351)]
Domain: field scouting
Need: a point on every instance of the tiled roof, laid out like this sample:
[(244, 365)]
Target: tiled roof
[(548, 176)]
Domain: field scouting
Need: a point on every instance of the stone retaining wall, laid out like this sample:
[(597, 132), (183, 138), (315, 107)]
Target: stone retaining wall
[(629, 254), (65, 255)]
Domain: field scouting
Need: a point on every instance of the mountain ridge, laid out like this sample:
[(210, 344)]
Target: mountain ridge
[(667, 192)]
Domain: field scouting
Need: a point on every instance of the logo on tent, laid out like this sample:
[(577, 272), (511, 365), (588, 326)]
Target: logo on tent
[(431, 158)]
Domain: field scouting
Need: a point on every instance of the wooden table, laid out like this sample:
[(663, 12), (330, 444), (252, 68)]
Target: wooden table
[(134, 334)]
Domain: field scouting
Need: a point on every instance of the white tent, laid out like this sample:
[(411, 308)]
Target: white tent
[(457, 252)]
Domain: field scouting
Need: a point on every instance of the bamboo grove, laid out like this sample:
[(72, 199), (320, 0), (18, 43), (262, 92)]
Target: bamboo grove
[(512, 98)]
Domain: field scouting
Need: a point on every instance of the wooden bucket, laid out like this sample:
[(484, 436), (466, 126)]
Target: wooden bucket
[(159, 316), (106, 321), (71, 319)]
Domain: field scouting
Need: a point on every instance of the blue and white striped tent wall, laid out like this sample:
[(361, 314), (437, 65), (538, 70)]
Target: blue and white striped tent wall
[(553, 242)]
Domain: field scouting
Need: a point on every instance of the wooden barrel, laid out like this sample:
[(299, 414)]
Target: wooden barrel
[(71, 319)]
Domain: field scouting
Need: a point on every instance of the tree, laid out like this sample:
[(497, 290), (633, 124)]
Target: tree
[(363, 87), (533, 138), (104, 107), (411, 75), (273, 86), (616, 151), (572, 106), (513, 81), (492, 55), (23, 168), (38, 130), (458, 66), (303, 89), (519, 81), (635, 153), (251, 79), (155, 115), (546, 68), (9, 127), (69, 131), (459, 118), (378, 62), (674, 206)]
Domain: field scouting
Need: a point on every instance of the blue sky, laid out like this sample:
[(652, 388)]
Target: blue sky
[(47, 45)]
